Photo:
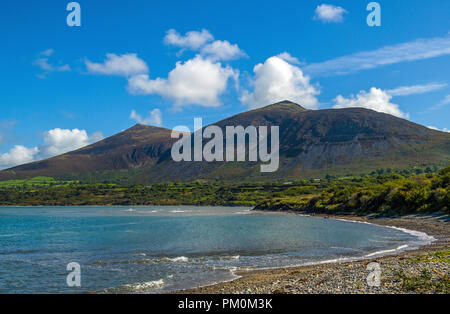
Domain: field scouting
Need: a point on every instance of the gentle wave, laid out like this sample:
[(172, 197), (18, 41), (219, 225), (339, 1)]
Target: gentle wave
[(236, 257), (178, 259), (383, 252), (424, 239), (231, 269), (11, 235), (135, 287), (132, 210)]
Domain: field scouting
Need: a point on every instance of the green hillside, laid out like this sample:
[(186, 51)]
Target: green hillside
[(384, 192)]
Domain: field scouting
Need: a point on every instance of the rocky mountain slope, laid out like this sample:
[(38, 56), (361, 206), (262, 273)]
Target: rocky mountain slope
[(312, 143)]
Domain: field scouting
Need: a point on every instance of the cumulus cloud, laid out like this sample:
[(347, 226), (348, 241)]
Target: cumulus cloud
[(204, 43), (410, 51), (120, 65), (43, 62), (60, 141), (18, 155), (329, 13), (276, 80), (154, 117), (286, 56), (192, 40), (197, 81), (56, 142), (222, 50), (416, 89), (376, 99)]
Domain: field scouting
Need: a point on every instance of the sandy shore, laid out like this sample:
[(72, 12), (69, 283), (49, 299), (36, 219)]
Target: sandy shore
[(424, 270)]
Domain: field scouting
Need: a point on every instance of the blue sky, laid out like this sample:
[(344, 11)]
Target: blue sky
[(166, 62)]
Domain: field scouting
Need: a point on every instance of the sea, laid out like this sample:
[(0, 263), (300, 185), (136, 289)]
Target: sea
[(163, 249)]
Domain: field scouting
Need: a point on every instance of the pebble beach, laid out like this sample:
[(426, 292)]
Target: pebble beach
[(425, 270)]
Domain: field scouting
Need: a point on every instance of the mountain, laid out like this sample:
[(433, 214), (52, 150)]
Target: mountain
[(135, 148), (312, 143)]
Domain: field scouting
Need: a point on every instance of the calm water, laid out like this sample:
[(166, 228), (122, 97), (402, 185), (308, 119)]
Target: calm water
[(158, 249)]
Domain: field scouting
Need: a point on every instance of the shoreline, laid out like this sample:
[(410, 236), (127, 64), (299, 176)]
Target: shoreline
[(350, 276)]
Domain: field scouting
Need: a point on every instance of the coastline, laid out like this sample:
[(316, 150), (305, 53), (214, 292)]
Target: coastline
[(419, 270)]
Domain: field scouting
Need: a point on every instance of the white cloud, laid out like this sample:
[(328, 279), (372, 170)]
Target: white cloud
[(446, 100), (437, 129), (18, 155), (277, 80), (96, 137), (204, 43), (197, 81), (43, 62), (329, 13), (191, 40), (120, 65), (409, 51), (60, 141), (154, 117), (415, 89), (376, 99), (56, 142), (286, 56), (442, 103), (222, 50), (48, 52)]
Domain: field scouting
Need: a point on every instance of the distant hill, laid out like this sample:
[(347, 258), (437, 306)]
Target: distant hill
[(312, 143)]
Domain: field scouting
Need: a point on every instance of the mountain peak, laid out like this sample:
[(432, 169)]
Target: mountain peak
[(312, 143), (139, 126), (143, 128), (285, 105)]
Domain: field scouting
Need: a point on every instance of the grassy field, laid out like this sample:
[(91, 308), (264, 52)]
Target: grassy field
[(34, 182), (384, 192)]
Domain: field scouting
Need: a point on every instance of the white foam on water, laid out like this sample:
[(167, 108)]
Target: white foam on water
[(243, 213), (148, 285), (10, 235), (344, 248), (231, 269), (384, 252), (135, 287), (148, 212), (422, 239), (179, 259), (143, 286)]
